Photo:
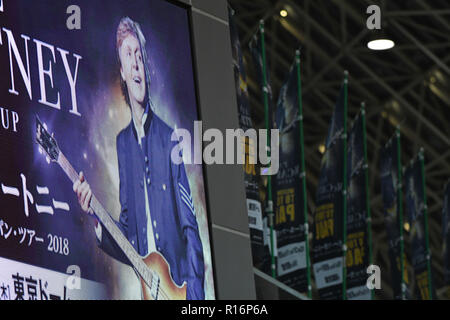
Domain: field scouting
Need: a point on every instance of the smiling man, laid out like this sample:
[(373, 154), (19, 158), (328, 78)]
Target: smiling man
[(157, 210)]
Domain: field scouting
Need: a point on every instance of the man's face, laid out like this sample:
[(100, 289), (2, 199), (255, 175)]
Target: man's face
[(132, 69)]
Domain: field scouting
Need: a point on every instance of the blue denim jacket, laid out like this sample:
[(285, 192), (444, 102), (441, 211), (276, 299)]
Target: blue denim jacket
[(175, 227)]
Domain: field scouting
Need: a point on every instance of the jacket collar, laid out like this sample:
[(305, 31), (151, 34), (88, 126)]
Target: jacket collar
[(147, 122)]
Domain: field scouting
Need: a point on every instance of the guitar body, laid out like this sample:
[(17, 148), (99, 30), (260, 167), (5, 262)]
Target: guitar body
[(166, 288)]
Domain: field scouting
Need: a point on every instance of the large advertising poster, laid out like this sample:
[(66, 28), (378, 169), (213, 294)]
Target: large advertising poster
[(92, 203)]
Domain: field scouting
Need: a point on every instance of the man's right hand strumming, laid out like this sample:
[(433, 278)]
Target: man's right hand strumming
[(83, 192)]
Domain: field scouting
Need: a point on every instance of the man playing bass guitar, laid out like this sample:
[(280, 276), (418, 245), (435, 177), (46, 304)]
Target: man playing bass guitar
[(157, 209)]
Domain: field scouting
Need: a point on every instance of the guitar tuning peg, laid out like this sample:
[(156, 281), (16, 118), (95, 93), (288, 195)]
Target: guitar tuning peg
[(53, 134), (40, 150), (48, 159), (45, 126)]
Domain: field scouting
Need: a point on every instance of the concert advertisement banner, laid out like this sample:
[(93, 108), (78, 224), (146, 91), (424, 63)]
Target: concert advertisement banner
[(254, 210), (288, 193), (446, 236), (328, 216), (389, 188), (255, 46), (357, 257), (102, 100), (416, 213)]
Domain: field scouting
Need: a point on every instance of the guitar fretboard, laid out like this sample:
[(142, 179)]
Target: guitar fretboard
[(110, 226)]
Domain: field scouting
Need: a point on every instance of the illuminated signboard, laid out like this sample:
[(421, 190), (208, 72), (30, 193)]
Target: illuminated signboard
[(99, 88)]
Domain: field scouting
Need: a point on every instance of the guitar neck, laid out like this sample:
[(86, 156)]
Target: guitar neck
[(110, 225)]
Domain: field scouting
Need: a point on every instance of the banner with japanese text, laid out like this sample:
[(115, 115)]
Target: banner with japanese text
[(263, 76), (389, 188), (254, 210), (327, 244), (92, 205), (288, 193), (416, 213), (357, 257)]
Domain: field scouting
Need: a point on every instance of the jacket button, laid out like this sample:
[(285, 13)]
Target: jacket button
[(164, 186), (154, 223), (157, 236), (159, 248), (146, 170), (148, 181), (132, 242), (146, 159)]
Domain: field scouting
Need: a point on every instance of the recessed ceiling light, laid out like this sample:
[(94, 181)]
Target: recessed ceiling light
[(380, 44), (406, 226), (283, 13), (322, 148)]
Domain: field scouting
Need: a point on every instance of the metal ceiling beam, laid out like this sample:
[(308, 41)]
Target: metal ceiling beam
[(424, 49), (426, 31), (412, 13), (314, 47), (403, 101), (319, 59), (345, 49), (386, 86), (392, 91), (441, 20), (394, 94), (270, 11), (436, 160)]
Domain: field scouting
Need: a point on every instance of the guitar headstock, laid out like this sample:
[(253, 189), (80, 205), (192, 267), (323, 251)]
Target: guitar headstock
[(46, 141)]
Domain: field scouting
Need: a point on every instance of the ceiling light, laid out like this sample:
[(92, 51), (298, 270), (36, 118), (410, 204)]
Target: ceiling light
[(322, 148), (406, 226), (283, 13), (380, 44)]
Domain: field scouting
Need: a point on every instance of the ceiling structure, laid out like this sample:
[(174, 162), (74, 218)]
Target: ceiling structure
[(407, 86)]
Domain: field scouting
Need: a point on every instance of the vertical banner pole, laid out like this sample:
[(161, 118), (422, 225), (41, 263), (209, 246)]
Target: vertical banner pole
[(268, 127), (303, 172), (400, 212), (366, 186), (425, 217), (344, 191)]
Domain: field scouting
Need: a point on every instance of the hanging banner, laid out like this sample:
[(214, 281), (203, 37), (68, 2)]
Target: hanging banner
[(389, 188), (256, 52), (93, 205), (357, 258), (258, 55), (251, 176), (446, 236), (288, 190), (328, 217), (417, 218)]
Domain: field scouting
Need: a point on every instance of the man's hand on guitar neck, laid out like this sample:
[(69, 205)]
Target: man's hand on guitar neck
[(83, 192)]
